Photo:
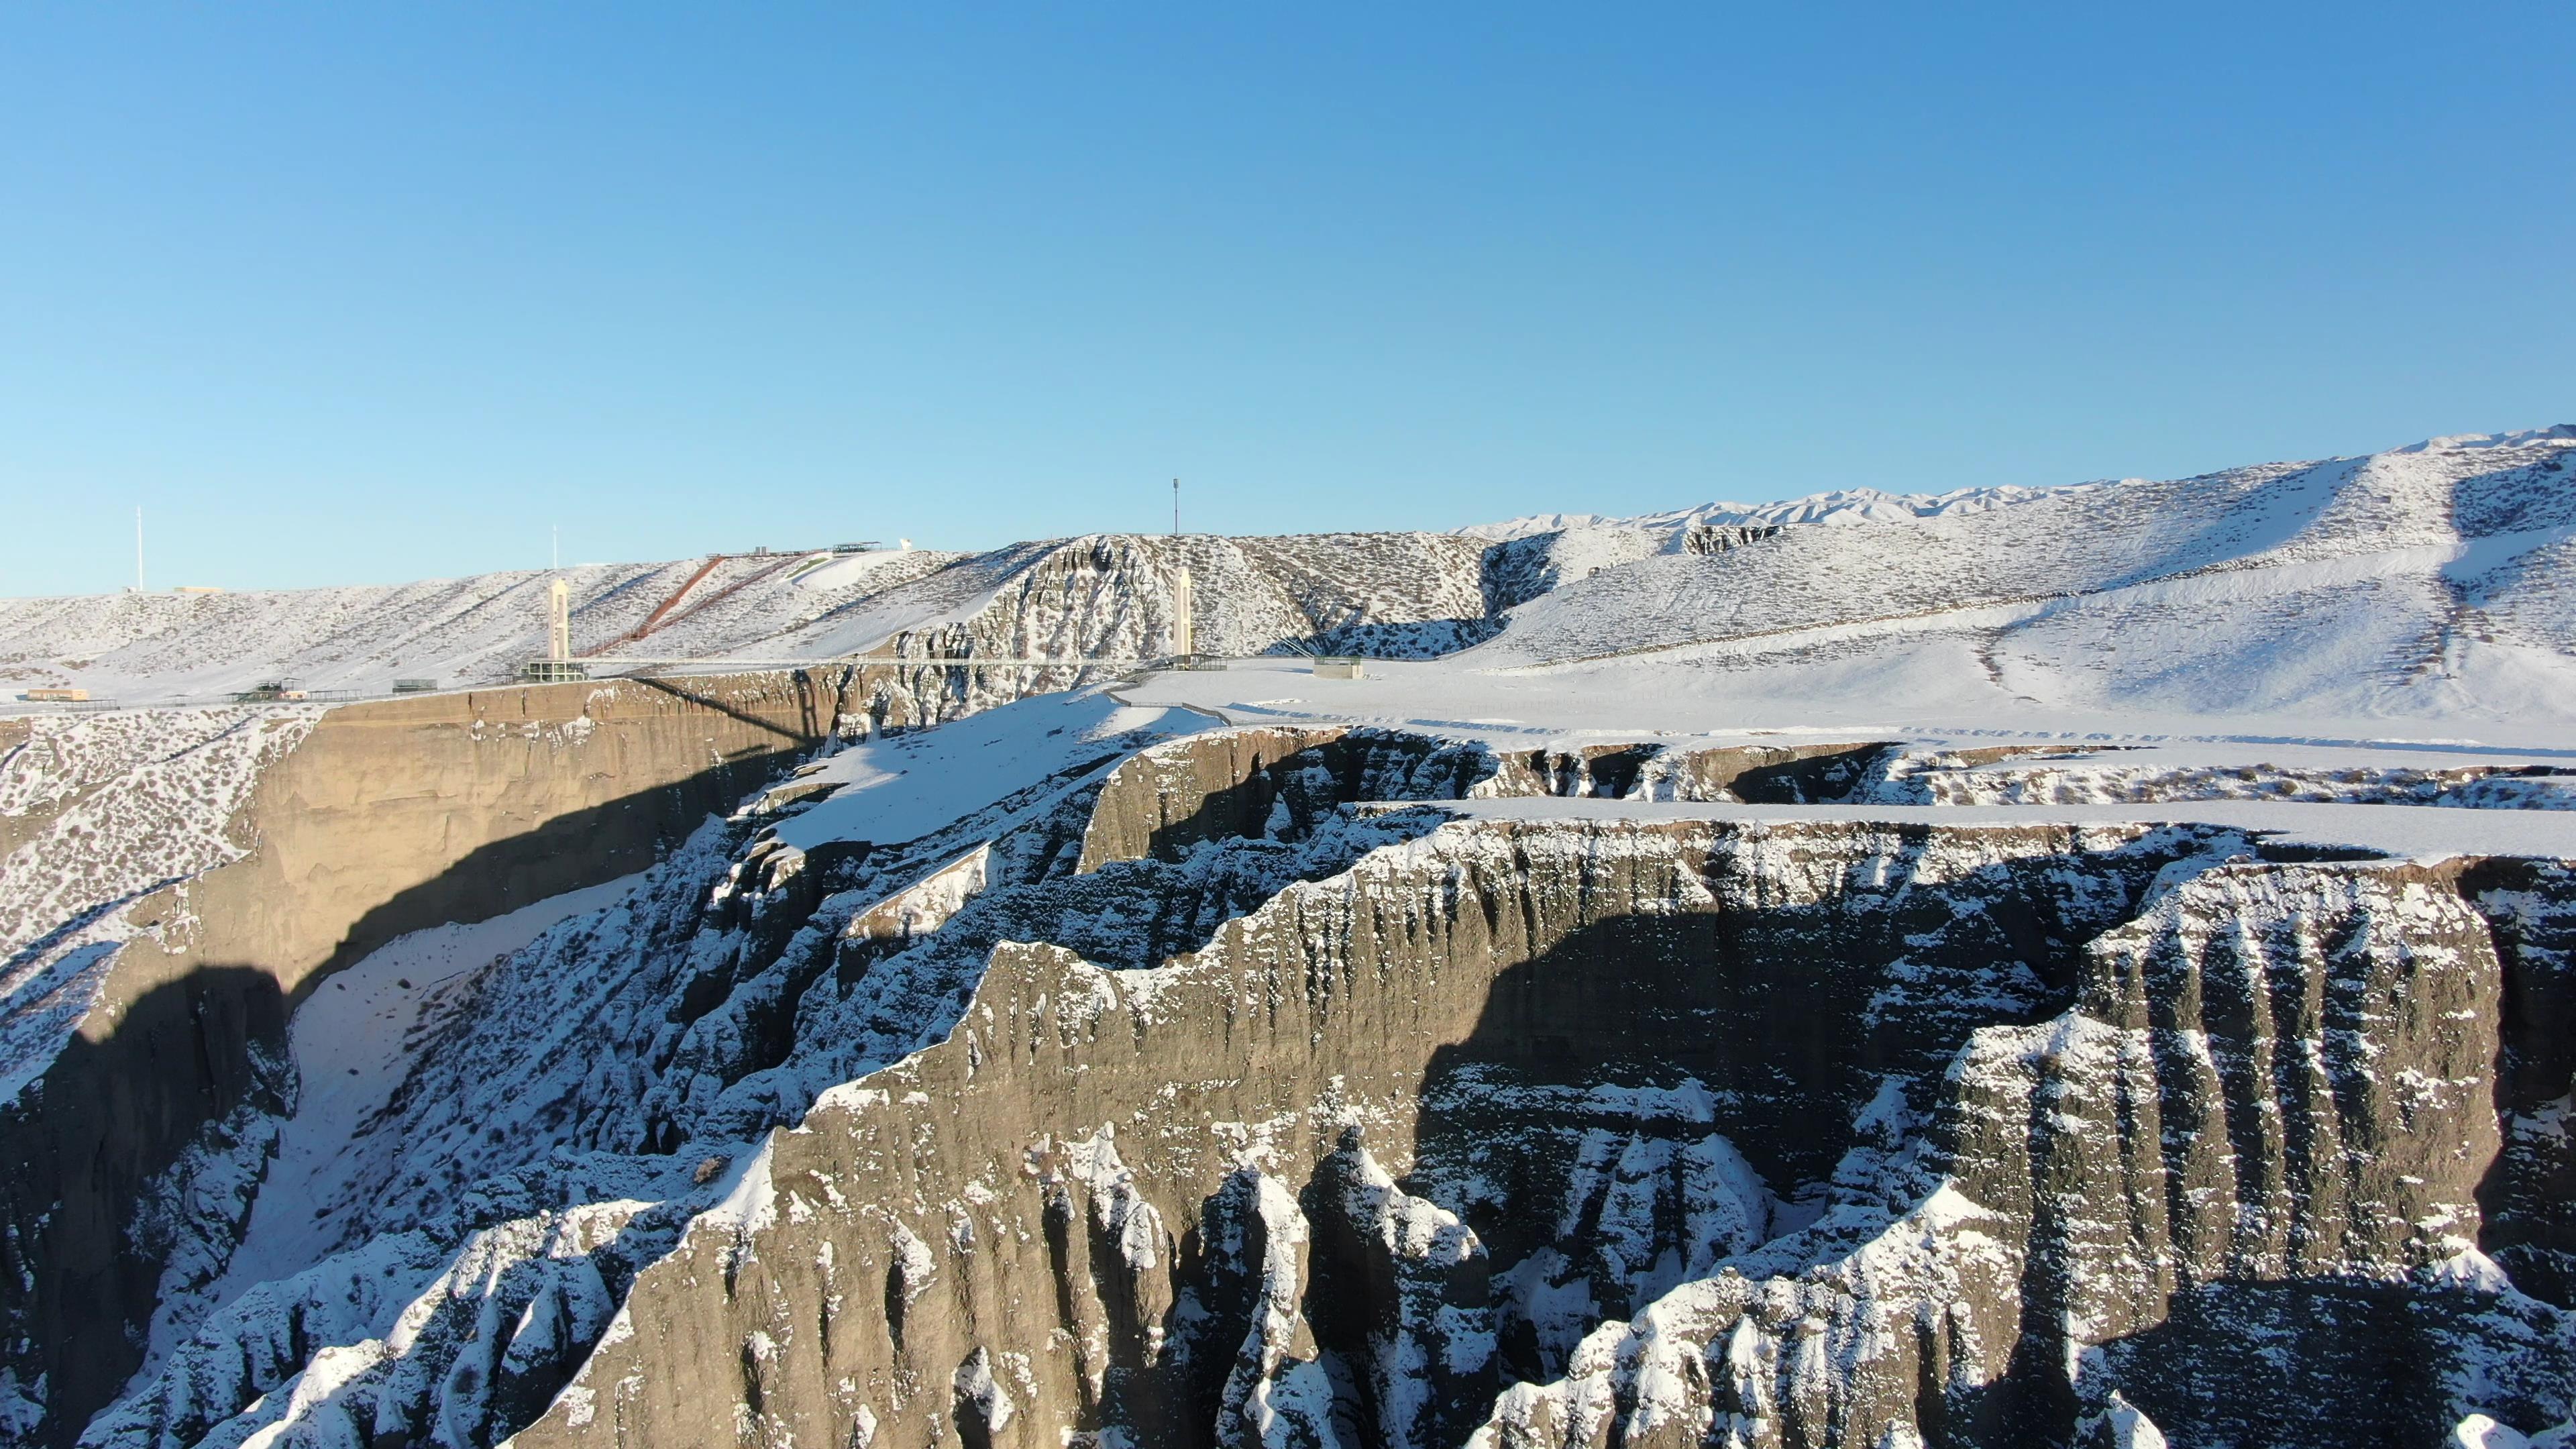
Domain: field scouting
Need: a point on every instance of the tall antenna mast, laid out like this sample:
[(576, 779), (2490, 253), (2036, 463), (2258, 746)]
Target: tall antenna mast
[(1184, 643), (138, 548)]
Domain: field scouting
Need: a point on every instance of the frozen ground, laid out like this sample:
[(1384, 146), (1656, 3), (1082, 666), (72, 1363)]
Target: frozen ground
[(1911, 701), (2437, 581), (903, 788)]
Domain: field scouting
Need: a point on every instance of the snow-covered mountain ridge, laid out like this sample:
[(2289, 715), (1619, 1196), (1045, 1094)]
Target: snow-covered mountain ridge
[(2429, 582), (1874, 505), (1100, 596), (1839, 505), (2434, 579)]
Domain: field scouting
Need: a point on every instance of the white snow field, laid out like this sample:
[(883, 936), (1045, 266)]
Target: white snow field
[(2431, 582)]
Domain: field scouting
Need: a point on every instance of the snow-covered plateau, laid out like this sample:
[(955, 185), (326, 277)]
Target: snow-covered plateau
[(2075, 966)]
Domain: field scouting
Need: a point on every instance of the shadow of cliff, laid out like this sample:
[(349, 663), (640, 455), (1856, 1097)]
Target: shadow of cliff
[(816, 716), (1824, 777), (1778, 1026), (43, 945), (573, 851), (1782, 1027), (1176, 1398), (2296, 1365), (1652, 1031), (2527, 1200), (114, 1112), (111, 1114), (1287, 796), (1788, 1016)]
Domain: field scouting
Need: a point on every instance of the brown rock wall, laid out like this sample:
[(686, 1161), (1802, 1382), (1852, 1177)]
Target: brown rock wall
[(944, 1209), (1126, 1198), (389, 817)]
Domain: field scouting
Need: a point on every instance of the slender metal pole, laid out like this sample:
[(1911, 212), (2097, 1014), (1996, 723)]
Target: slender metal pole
[(1176, 508)]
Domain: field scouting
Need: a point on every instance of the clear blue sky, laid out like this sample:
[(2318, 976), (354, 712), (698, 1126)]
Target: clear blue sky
[(372, 292)]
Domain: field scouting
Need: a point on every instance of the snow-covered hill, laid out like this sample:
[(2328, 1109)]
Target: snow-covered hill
[(150, 647), (2427, 582), (1101, 596), (1841, 505)]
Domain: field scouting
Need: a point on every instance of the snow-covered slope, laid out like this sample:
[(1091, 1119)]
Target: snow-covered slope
[(98, 811), (1841, 505), (2434, 581), (151, 647), (2428, 582), (1101, 596)]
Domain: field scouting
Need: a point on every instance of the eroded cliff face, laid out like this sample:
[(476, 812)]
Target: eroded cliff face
[(224, 878), (1593, 1132), (1245, 1089)]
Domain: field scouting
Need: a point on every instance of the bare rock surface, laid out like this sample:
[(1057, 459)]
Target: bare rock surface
[(1579, 1116), (1232, 1090), (201, 872)]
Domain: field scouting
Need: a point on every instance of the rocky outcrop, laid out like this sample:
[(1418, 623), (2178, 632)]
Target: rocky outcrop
[(1758, 774), (2024, 776), (1239, 1090), (1278, 1085), (1582, 1115), (1707, 538), (1273, 783), (1111, 598), (373, 820)]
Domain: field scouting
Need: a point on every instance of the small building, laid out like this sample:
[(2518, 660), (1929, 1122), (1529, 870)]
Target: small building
[(274, 689), (55, 696), (415, 686), (870, 546), (553, 671), (1338, 669)]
